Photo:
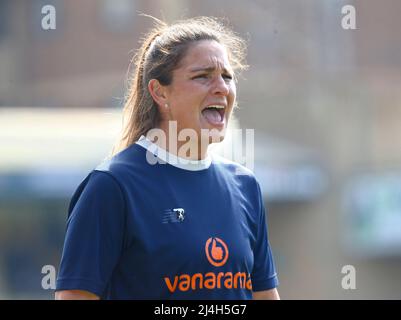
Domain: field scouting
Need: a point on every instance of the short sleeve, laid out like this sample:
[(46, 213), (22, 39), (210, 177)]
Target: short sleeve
[(94, 236), (264, 276)]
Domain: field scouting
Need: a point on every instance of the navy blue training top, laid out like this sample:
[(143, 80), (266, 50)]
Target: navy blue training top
[(144, 230)]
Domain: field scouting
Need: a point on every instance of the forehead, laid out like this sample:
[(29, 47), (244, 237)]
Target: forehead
[(205, 54)]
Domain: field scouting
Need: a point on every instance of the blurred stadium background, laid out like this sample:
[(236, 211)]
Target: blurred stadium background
[(324, 103)]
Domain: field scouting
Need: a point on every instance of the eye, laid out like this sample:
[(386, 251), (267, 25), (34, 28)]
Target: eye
[(201, 76), (227, 76)]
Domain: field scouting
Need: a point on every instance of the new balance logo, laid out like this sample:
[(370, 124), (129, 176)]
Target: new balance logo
[(173, 215)]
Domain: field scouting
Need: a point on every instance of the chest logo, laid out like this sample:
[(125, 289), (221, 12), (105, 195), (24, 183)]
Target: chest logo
[(173, 215), (216, 251)]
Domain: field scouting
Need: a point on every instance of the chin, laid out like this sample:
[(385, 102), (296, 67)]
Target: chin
[(216, 135)]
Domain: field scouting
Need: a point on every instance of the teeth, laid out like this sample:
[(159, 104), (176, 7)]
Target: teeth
[(216, 106)]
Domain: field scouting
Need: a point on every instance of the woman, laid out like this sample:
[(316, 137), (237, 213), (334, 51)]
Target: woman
[(162, 219)]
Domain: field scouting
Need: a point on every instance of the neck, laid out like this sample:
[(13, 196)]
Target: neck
[(186, 146)]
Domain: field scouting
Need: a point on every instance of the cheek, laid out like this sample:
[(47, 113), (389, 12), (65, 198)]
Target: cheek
[(232, 94), (189, 92), (186, 106), (187, 98), (191, 99)]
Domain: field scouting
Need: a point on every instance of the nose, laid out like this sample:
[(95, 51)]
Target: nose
[(220, 86)]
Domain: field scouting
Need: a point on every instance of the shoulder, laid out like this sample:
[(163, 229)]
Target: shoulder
[(103, 181), (130, 160), (233, 167), (121, 160), (241, 174), (98, 188)]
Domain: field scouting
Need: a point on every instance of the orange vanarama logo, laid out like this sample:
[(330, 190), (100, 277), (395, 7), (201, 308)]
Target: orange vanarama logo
[(216, 251), (217, 254)]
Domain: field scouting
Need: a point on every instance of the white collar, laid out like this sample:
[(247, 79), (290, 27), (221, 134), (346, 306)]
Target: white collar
[(165, 156)]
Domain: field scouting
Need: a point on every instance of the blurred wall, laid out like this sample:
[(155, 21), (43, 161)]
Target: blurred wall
[(332, 92)]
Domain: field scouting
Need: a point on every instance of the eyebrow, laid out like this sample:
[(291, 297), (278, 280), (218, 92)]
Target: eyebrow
[(209, 69)]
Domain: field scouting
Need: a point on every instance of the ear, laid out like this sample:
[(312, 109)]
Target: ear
[(158, 93)]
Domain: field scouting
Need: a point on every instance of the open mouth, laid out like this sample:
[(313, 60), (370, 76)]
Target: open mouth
[(214, 114)]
